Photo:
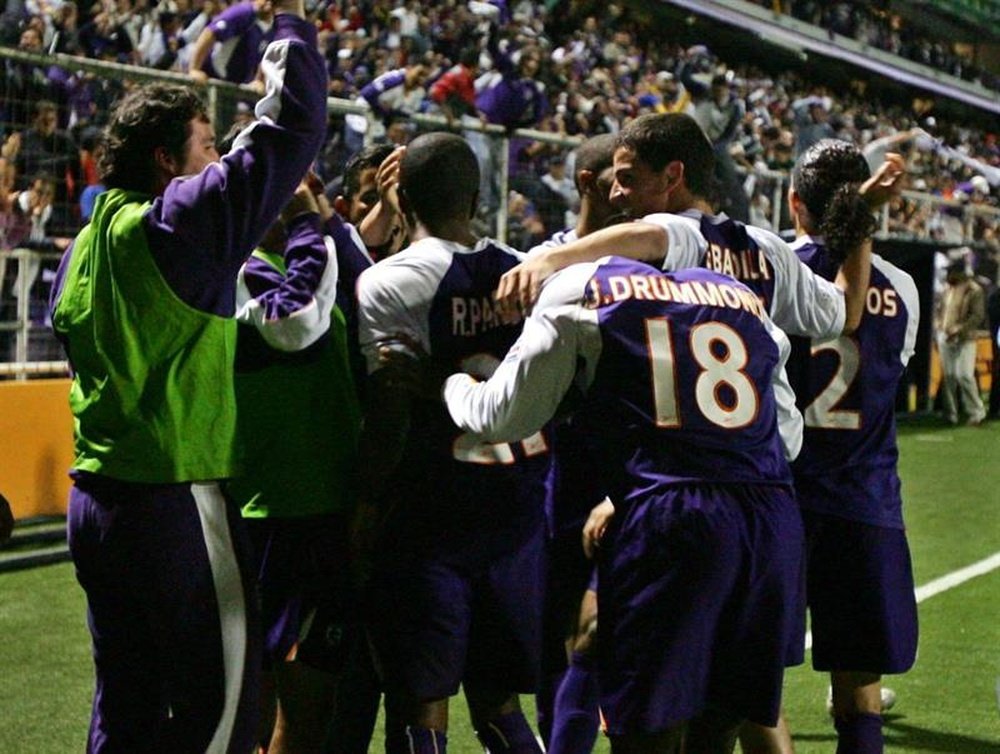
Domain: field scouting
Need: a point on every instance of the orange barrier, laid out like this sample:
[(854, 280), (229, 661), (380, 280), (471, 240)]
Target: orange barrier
[(36, 446)]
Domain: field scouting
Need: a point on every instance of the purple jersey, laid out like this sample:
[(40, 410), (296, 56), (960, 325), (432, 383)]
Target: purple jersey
[(441, 294), (692, 374), (846, 389), (240, 40)]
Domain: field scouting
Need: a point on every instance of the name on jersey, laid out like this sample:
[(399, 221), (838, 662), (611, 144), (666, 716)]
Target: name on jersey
[(882, 301), (745, 264), (472, 316), (662, 288)]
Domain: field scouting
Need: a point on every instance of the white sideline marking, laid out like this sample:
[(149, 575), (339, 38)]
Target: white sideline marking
[(943, 584)]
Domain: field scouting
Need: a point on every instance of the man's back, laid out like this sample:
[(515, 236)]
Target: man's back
[(440, 294), (846, 389)]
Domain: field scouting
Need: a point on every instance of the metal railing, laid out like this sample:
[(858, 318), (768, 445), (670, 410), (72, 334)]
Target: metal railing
[(220, 95)]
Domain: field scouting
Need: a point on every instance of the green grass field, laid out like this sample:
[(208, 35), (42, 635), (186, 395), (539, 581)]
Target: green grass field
[(948, 703)]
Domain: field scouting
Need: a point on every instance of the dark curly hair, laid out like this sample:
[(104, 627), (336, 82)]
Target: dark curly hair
[(826, 177), (659, 139), (152, 116)]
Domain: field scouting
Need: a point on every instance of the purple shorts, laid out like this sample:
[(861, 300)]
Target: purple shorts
[(568, 573), (166, 569), (860, 593), (435, 624), (698, 598), (304, 588)]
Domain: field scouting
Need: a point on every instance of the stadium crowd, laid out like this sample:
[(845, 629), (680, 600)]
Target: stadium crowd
[(877, 25), (592, 81)]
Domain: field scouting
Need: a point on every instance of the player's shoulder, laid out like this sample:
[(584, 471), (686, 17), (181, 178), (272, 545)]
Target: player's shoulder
[(559, 238), (898, 278), (569, 285), (419, 262), (770, 242)]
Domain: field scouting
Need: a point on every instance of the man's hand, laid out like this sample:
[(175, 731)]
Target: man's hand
[(6, 520), (887, 181), (596, 525), (387, 179), (417, 373), (303, 202), (198, 76), (520, 286)]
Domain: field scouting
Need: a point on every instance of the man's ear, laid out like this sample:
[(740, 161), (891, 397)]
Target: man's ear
[(342, 207), (795, 204), (166, 162), (674, 171), (584, 181)]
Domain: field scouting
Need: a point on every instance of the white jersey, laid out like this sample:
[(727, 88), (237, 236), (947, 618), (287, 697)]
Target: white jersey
[(799, 302)]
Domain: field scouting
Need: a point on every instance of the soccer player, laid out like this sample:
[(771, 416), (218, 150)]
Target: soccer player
[(299, 419), (567, 698), (662, 174), (456, 584), (699, 574), (860, 580), (144, 303)]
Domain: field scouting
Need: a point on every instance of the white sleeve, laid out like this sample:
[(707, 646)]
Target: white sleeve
[(685, 245), (804, 303), (907, 291), (526, 389), (384, 314), (790, 424)]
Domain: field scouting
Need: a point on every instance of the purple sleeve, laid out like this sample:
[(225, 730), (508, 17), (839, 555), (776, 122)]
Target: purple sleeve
[(205, 226), (233, 21), (306, 261), (371, 92)]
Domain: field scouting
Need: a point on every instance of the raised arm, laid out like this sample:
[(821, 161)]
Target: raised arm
[(204, 227), (528, 386), (520, 286), (292, 310)]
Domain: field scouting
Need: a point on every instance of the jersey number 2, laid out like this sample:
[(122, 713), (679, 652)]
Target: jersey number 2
[(716, 370), (823, 412)]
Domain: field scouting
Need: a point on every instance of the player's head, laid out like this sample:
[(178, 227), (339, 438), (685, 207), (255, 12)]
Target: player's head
[(662, 163), (360, 189), (438, 180), (824, 198), (595, 174), (156, 133)]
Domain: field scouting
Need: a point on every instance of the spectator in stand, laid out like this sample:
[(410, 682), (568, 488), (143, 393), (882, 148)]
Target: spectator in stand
[(960, 319), (454, 92), (510, 96), (812, 122), (230, 47), (65, 32), (400, 91), (24, 83), (719, 111), (563, 185), (45, 149), (103, 38)]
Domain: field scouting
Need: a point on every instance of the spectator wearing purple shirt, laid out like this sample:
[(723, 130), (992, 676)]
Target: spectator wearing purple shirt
[(508, 96), (230, 47)]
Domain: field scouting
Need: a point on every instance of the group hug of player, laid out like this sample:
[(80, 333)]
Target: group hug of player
[(304, 479)]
